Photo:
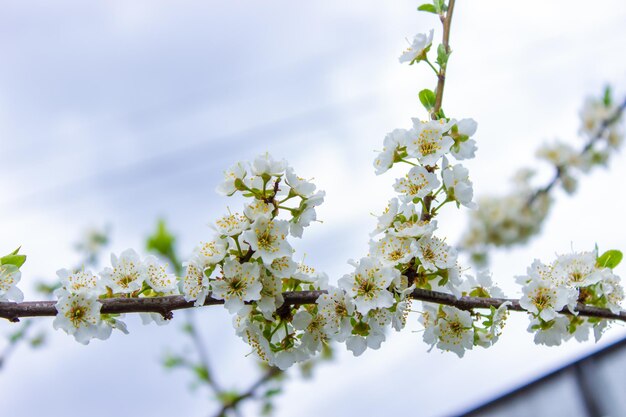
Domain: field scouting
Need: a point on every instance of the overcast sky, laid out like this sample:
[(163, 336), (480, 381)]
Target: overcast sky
[(123, 111)]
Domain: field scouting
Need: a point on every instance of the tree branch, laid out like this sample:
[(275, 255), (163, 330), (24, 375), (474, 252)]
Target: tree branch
[(560, 171), (165, 305)]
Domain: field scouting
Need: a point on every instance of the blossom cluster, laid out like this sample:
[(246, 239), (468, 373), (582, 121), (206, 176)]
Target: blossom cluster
[(506, 220), (408, 255), (129, 276), (571, 280), (249, 262), (514, 218)]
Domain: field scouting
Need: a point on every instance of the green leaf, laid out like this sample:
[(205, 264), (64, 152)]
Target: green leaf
[(38, 341), (427, 98), (201, 372), (440, 6), (187, 328), (161, 241), (427, 8), (17, 260), (171, 361), (609, 259), (607, 98), (272, 392), (442, 55)]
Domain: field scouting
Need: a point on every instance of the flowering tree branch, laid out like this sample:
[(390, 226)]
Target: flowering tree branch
[(559, 171), (166, 305), (288, 313)]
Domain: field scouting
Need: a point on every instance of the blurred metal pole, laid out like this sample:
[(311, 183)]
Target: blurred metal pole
[(590, 385)]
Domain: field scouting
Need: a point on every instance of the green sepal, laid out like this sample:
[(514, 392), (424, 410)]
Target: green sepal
[(479, 292), (609, 259)]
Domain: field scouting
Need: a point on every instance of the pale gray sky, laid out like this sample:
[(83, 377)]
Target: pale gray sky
[(123, 111)]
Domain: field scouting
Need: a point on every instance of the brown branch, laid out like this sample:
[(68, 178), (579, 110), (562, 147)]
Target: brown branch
[(165, 305), (441, 77)]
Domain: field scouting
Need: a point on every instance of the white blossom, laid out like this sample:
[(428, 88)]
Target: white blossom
[(368, 285), (391, 145), (357, 343), (211, 252), (82, 281), (458, 185), (579, 269), (158, 278), (271, 293), (79, 315), (429, 142), (545, 300), (9, 277), (550, 333), (195, 282), (435, 254), (387, 217), (235, 173), (337, 308), (268, 239), (232, 224), (417, 183), (298, 185), (258, 208), (127, 274), (418, 47), (392, 250), (266, 165), (464, 147), (239, 283)]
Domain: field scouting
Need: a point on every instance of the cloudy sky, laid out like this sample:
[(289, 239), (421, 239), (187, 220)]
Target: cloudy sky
[(121, 111)]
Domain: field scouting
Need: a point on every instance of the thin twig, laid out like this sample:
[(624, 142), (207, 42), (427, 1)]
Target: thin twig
[(203, 353), (267, 376), (165, 305)]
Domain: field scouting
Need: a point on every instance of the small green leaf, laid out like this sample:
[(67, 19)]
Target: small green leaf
[(161, 241), (201, 372), (427, 8), (440, 6), (38, 341), (17, 260), (609, 259), (272, 392), (427, 98), (607, 98), (171, 361), (442, 55)]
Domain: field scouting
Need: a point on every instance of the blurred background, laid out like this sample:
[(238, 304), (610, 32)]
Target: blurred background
[(121, 112)]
